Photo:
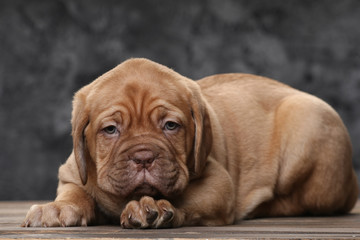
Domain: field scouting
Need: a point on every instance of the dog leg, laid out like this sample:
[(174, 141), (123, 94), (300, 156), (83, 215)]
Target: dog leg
[(207, 201), (315, 173), (72, 207)]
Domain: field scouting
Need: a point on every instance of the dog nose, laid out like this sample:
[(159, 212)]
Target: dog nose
[(144, 158)]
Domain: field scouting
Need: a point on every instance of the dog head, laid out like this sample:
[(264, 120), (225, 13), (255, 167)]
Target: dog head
[(144, 127)]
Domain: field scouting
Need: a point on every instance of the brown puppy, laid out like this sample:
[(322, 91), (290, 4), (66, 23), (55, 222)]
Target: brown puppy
[(155, 149)]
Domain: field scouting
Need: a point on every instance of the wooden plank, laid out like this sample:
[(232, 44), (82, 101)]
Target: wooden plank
[(336, 227)]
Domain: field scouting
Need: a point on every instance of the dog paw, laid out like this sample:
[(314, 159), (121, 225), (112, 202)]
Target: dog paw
[(148, 213), (54, 214)]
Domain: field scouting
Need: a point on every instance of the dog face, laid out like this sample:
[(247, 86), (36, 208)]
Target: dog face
[(144, 127)]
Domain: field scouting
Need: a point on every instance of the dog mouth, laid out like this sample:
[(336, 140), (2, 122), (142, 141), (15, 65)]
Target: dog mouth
[(135, 184), (146, 184), (145, 189)]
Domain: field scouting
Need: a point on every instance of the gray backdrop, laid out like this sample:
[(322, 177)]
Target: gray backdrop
[(49, 49)]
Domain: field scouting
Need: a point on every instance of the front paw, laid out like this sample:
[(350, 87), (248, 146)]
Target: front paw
[(148, 213), (54, 214)]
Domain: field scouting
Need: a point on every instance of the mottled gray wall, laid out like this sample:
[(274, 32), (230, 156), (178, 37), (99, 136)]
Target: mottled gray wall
[(49, 49)]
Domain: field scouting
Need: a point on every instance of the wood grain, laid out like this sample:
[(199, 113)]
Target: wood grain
[(335, 227)]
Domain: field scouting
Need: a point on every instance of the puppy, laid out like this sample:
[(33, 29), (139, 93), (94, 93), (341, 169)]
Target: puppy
[(154, 149)]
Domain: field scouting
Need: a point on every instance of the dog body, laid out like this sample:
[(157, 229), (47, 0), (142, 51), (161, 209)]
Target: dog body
[(156, 149), (287, 152)]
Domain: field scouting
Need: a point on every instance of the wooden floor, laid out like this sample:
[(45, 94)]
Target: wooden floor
[(338, 227)]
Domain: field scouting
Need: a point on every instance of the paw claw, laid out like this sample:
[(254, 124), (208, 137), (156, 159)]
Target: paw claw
[(168, 215), (135, 223), (25, 224), (151, 216)]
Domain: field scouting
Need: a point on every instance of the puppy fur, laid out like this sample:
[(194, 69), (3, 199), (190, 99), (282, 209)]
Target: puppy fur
[(154, 149)]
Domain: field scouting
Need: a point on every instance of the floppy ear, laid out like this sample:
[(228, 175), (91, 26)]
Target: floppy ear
[(79, 121), (203, 136)]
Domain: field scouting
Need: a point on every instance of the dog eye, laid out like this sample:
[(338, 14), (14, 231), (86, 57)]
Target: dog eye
[(171, 126), (110, 129)]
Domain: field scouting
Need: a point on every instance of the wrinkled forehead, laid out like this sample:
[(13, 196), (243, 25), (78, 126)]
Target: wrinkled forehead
[(140, 90)]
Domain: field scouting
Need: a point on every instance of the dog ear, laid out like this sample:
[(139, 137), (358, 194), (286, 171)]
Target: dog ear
[(79, 121), (203, 136)]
